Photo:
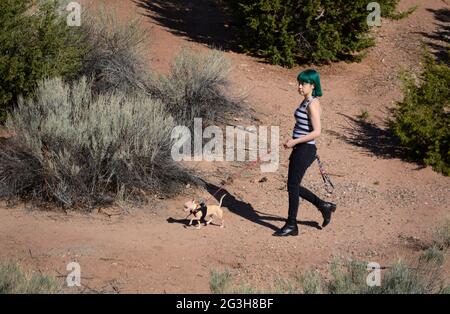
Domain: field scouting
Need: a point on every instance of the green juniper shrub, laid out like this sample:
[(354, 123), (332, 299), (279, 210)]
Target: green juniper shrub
[(388, 9), (35, 42), (286, 32), (422, 119)]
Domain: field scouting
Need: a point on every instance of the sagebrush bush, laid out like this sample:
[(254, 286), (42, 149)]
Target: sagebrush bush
[(433, 254), (422, 119), (35, 42), (441, 238), (426, 278), (14, 281), (349, 277), (311, 282), (79, 150), (319, 31), (219, 281), (195, 87), (400, 278), (114, 58)]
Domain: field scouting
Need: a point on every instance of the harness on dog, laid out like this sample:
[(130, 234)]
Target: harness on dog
[(203, 208)]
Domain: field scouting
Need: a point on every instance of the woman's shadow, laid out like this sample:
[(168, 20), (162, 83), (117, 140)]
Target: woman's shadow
[(245, 210)]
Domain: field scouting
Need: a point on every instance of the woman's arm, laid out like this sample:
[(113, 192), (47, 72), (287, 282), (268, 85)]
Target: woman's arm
[(314, 114)]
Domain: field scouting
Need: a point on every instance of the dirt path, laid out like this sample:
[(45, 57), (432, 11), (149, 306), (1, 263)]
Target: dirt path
[(387, 207)]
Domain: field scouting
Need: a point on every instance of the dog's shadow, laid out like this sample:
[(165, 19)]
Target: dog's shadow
[(245, 210), (178, 221), (185, 222)]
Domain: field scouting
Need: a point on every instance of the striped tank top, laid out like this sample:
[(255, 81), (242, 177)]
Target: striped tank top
[(303, 124)]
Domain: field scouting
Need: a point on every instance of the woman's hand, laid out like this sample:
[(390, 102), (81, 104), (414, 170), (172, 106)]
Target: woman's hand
[(289, 143)]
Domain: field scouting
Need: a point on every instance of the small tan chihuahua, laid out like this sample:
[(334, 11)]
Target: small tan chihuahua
[(199, 210)]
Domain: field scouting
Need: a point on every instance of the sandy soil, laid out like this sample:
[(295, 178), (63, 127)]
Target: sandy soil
[(387, 208)]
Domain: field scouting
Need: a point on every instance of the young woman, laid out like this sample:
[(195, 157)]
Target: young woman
[(307, 128)]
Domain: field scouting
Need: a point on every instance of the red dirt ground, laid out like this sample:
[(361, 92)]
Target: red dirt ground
[(387, 208)]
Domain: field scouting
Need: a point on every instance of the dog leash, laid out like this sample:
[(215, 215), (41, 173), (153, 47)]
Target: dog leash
[(250, 165), (329, 187)]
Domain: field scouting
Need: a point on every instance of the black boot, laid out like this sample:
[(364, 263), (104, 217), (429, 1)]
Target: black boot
[(290, 228), (326, 208)]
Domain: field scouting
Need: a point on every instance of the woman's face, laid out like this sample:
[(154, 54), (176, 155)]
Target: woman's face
[(305, 88)]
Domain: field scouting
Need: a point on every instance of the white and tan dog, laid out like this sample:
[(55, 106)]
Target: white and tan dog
[(199, 210)]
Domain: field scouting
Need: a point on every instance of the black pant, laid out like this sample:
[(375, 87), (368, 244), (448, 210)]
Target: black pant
[(302, 156)]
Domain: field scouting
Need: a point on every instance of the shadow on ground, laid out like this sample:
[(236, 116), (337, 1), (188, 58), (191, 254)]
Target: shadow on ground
[(372, 138), (204, 21), (439, 41)]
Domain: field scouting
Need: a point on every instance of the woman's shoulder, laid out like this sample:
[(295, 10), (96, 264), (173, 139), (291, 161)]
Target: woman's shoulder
[(314, 105), (314, 102)]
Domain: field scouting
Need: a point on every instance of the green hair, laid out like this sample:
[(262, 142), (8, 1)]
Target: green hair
[(312, 77)]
